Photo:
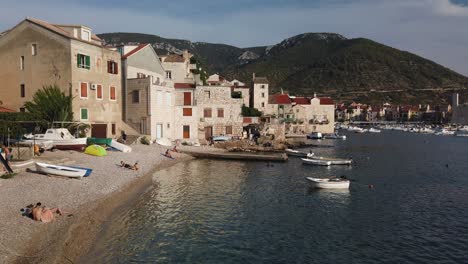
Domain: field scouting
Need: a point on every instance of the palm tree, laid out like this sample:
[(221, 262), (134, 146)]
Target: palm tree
[(51, 104)]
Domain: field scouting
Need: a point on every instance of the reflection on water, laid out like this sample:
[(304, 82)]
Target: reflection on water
[(232, 212)]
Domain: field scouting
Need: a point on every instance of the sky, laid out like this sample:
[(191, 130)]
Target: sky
[(434, 29)]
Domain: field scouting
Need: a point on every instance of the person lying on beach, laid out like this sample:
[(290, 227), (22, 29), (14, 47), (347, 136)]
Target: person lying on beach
[(175, 149), (45, 214), (128, 166), (168, 153)]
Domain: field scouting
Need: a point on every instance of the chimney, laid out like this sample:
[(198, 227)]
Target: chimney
[(455, 100), (315, 95)]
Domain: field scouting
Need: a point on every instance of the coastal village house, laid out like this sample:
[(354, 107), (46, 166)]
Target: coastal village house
[(179, 68), (147, 95), (36, 53), (259, 93)]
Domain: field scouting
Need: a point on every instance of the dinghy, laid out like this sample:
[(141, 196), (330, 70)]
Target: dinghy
[(60, 170), (334, 161), (295, 153), (334, 136), (120, 146), (316, 162), (328, 183), (373, 130)]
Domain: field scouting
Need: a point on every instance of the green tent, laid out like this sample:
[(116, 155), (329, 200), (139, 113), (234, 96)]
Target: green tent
[(96, 150)]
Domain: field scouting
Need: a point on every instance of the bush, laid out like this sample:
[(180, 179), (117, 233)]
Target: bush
[(247, 111), (144, 141)]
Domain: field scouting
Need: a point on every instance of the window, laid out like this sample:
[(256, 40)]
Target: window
[(34, 49), (187, 98), (263, 95), (99, 92), (168, 75), (263, 104), (112, 67), (136, 97), (84, 90), (22, 109), (168, 125), (186, 132), (228, 130), (84, 114), (22, 90), (140, 75), (83, 61), (220, 112), (187, 112), (113, 128), (262, 86), (22, 63), (207, 112), (207, 94), (112, 93)]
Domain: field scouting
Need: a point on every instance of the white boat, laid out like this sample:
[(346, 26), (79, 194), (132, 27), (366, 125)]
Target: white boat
[(329, 183), (120, 146), (61, 139), (222, 138), (334, 136), (373, 130), (334, 161), (461, 133), (45, 144), (295, 153), (60, 170), (315, 135), (316, 162)]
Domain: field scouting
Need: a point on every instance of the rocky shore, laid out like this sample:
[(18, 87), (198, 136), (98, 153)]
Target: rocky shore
[(88, 203)]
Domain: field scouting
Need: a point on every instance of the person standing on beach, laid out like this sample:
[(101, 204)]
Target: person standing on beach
[(124, 137)]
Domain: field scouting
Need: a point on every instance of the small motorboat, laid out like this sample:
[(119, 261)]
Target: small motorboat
[(334, 136), (334, 161), (373, 130), (295, 153), (315, 135), (60, 170), (316, 162), (222, 138), (61, 139), (329, 183)]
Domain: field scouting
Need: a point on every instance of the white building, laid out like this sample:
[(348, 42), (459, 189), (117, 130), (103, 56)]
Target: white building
[(259, 93), (179, 68)]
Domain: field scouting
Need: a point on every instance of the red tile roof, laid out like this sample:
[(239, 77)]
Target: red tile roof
[(6, 110), (135, 50), (301, 100), (279, 99), (326, 101), (184, 85)]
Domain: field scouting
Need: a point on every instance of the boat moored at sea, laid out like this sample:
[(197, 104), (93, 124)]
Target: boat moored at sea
[(328, 183), (334, 136), (316, 162), (333, 161), (295, 153), (315, 135)]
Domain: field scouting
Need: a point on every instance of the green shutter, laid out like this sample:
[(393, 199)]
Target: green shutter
[(87, 62), (84, 114), (78, 60)]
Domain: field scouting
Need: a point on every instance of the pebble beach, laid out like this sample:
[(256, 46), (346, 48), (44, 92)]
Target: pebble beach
[(86, 202)]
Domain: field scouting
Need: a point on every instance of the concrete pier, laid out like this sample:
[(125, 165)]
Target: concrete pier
[(239, 156)]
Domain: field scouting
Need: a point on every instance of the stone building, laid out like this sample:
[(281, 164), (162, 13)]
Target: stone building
[(185, 113), (179, 69), (317, 116), (259, 93), (36, 54), (148, 95)]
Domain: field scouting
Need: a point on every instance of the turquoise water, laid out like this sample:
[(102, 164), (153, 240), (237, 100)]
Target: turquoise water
[(207, 211)]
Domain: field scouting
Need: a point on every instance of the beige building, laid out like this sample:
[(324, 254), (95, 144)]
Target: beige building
[(316, 116), (38, 53), (179, 69), (259, 93), (148, 95)]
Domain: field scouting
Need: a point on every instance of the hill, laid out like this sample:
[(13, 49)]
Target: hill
[(347, 69)]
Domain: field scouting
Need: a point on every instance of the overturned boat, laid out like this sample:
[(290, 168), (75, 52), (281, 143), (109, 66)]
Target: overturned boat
[(61, 170)]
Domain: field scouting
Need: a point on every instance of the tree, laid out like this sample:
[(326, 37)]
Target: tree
[(51, 104)]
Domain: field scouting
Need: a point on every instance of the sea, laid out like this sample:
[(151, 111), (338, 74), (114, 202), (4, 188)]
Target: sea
[(407, 203)]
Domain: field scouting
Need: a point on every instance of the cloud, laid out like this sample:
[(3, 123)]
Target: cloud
[(431, 28)]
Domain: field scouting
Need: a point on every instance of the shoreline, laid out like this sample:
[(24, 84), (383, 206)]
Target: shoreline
[(67, 238)]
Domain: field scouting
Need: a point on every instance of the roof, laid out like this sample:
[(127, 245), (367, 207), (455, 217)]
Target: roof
[(301, 100), (174, 58), (184, 85), (135, 50), (262, 80), (279, 99), (5, 110), (326, 101)]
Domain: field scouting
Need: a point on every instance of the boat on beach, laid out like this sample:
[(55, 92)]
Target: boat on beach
[(334, 161), (61, 139), (60, 170), (316, 162), (328, 183), (296, 153), (222, 138)]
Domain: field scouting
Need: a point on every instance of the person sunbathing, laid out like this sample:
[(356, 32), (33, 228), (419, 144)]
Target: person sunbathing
[(45, 214), (175, 149), (168, 153), (128, 166)]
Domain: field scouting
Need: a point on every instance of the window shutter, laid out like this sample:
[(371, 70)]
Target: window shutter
[(116, 68), (78, 60), (108, 67), (88, 62)]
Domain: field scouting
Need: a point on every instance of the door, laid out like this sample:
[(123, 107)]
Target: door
[(187, 98), (208, 132), (159, 131), (99, 130), (186, 133)]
